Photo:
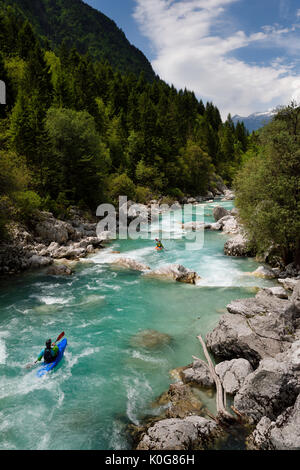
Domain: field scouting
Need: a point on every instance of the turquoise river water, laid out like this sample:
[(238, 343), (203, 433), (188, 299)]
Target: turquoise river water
[(106, 381)]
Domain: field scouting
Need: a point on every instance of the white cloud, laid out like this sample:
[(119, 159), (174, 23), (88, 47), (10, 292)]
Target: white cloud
[(188, 54)]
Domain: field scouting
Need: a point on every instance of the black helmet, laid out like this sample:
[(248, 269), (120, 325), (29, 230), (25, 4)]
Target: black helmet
[(48, 343)]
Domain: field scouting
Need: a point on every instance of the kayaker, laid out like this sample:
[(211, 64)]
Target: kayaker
[(159, 244), (49, 353)]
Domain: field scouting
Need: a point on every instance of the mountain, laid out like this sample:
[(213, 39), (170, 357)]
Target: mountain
[(256, 120), (89, 30)]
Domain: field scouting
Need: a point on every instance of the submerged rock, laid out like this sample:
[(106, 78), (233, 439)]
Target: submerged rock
[(150, 339), (175, 272)]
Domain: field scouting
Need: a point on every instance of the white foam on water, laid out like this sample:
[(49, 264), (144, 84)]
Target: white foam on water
[(3, 354), (72, 360), (136, 388), (91, 300)]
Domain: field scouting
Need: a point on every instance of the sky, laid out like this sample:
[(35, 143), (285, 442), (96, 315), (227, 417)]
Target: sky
[(243, 55)]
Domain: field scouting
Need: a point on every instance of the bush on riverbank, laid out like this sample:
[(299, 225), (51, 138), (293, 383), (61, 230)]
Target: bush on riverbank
[(268, 187)]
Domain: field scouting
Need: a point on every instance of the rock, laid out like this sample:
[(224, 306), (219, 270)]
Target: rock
[(69, 252), (254, 329), (179, 401), (282, 434), (229, 224), (264, 272), (150, 339), (105, 236), (193, 226), (228, 195), (36, 262), (59, 270), (192, 432), (233, 374), (273, 387), (219, 212), (216, 226), (279, 292), (191, 200), (50, 229), (129, 263), (175, 272), (234, 212), (198, 374), (288, 283), (237, 246)]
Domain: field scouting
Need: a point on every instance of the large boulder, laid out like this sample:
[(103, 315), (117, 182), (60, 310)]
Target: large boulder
[(237, 246), (233, 374), (281, 434), (199, 374), (219, 212), (37, 262), (254, 329), (130, 263), (192, 432), (272, 387), (175, 272), (49, 229), (59, 270)]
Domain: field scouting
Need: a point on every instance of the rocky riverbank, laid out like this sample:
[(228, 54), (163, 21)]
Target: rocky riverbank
[(49, 241), (256, 346)]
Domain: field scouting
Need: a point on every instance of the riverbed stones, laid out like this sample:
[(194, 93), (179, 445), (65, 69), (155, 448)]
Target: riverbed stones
[(150, 339), (233, 374), (192, 432)]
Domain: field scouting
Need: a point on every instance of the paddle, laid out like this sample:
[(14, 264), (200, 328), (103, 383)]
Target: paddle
[(28, 366)]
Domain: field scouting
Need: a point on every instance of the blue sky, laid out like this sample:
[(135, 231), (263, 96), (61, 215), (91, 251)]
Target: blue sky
[(241, 54)]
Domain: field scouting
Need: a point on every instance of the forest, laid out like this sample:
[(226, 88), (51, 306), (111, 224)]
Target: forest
[(77, 131)]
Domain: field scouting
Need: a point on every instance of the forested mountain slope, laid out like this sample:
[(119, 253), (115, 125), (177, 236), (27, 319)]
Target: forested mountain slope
[(77, 24)]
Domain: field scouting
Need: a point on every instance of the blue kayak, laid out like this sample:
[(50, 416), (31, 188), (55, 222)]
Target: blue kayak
[(47, 367)]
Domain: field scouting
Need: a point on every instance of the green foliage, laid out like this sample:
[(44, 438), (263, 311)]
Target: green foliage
[(120, 185), (78, 25), (85, 131), (268, 186), (77, 158)]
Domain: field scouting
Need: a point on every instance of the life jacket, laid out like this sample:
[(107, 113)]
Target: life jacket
[(48, 357)]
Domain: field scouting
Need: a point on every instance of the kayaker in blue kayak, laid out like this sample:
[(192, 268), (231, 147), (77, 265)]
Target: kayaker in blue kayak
[(49, 353)]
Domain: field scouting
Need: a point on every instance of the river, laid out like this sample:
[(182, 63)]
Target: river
[(105, 380)]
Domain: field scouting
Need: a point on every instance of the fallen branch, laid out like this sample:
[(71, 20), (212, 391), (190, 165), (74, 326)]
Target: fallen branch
[(221, 408)]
